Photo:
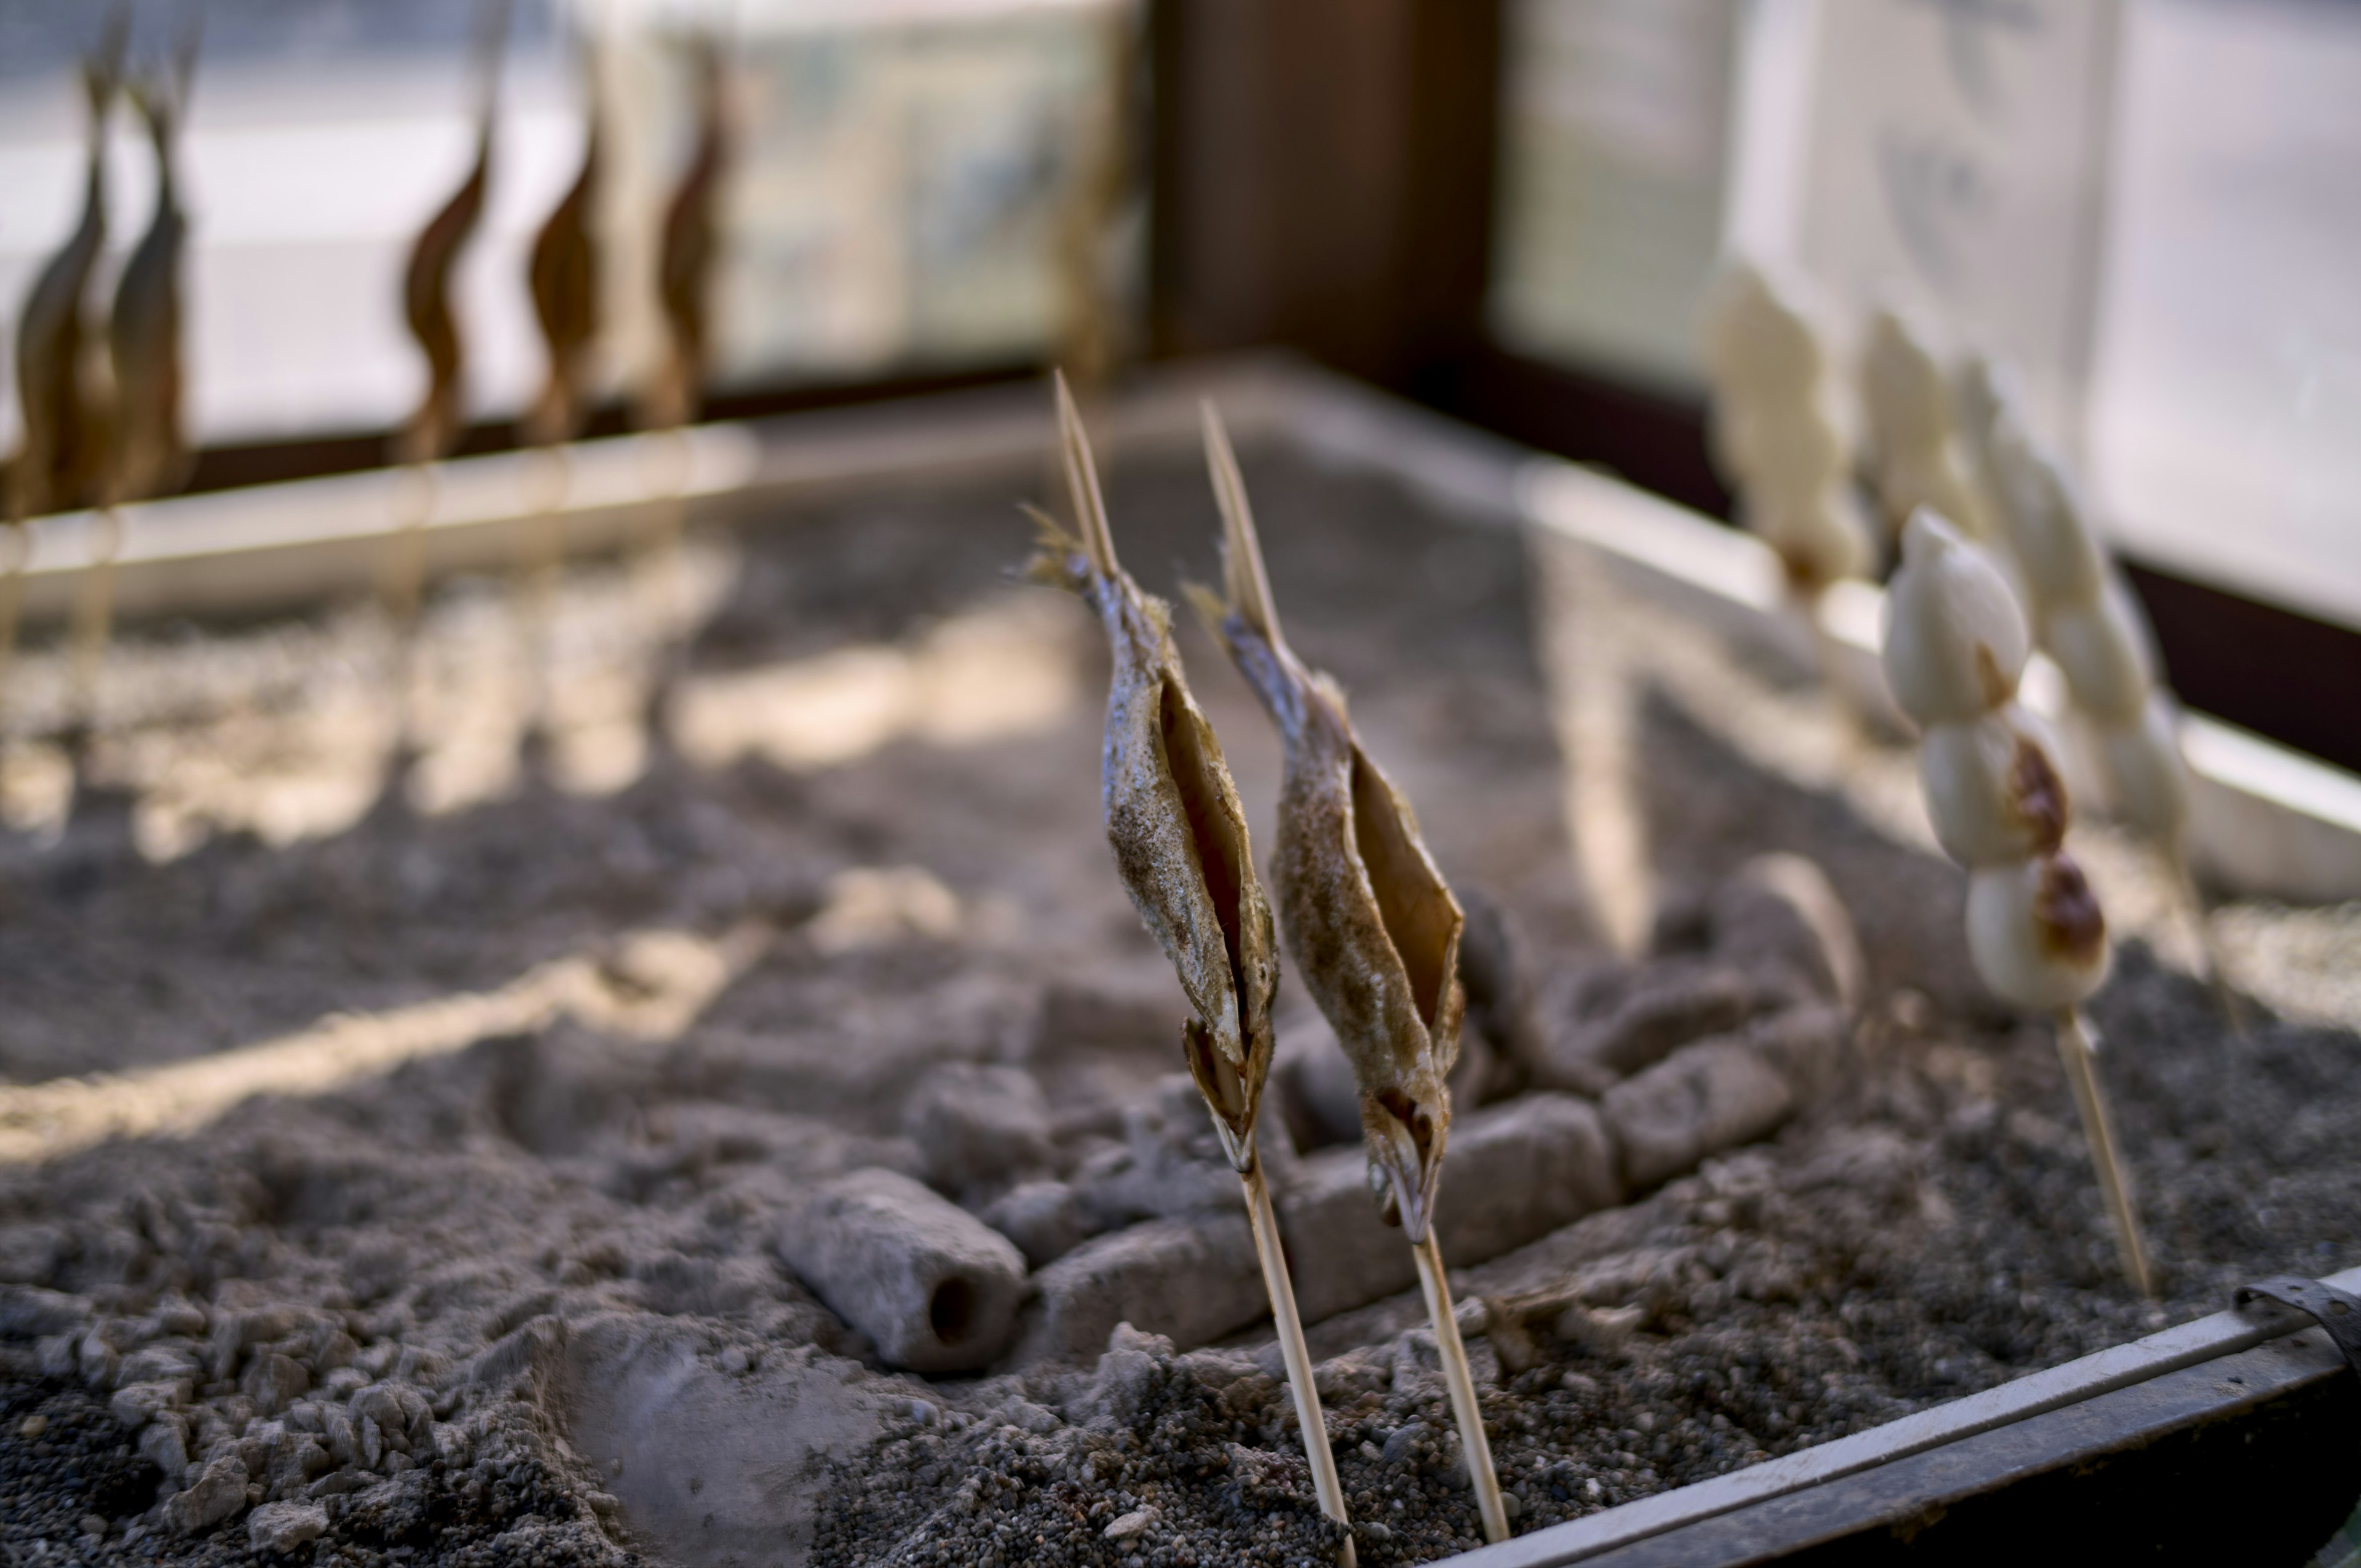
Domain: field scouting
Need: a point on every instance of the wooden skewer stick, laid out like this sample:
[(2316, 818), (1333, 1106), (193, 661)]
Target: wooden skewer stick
[(1353, 869), (2208, 950), (405, 593), (688, 245), (1181, 849), (663, 572), (541, 561), (93, 626), (565, 276), (1298, 1355), (1461, 1382), (16, 547), (434, 429), (2078, 1049)]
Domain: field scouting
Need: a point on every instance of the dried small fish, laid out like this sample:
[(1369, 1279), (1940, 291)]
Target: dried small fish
[(1172, 814), (686, 253), (1372, 926), (1369, 922), (1180, 847), (60, 452), (151, 455), (433, 429), (564, 277), (435, 425)]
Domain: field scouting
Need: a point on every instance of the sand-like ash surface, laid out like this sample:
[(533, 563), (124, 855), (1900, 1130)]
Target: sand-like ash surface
[(518, 1299)]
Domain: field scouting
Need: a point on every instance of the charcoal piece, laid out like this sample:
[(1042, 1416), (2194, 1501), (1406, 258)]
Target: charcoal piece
[(1171, 1162), (977, 1125), (283, 1527), (1654, 1011), (1502, 1037), (1517, 1171), (1805, 1045), (934, 1287), (1702, 1099), (1779, 915), (1047, 1220), (1318, 1098), (1191, 1279), (218, 1493)]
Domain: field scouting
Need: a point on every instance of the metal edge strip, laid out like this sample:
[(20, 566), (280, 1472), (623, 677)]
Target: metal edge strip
[(2183, 1345)]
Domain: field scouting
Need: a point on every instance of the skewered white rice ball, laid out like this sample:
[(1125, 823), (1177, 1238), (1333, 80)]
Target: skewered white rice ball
[(2102, 646), (1992, 787), (2145, 765), (1957, 641), (2036, 933)]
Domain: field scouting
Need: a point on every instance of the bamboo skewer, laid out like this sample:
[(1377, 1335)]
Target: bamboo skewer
[(1777, 439), (540, 562), (662, 574), (2209, 948), (563, 276), (687, 246), (1461, 1381), (1182, 852), (16, 547), (1373, 927), (1956, 645), (1296, 1351), (2078, 1049), (405, 585), (93, 628), (433, 429)]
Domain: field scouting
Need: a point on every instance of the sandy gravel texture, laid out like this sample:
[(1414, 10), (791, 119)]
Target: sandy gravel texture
[(490, 1273)]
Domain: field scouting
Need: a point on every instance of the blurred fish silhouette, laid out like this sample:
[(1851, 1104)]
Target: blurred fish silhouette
[(433, 429), (151, 451), (687, 251), (61, 457), (565, 299)]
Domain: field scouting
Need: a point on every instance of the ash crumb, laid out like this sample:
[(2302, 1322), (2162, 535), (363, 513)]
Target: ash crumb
[(80, 1491)]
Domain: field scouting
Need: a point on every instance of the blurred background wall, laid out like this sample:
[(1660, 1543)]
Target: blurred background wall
[(1504, 208)]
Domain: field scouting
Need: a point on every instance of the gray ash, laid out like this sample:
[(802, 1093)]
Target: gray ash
[(1932, 1233), (77, 1494)]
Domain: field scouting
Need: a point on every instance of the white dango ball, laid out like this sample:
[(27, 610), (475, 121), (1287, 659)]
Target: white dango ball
[(1809, 454), (1955, 640), (1767, 360), (1985, 390), (1904, 386), (2036, 933), (2102, 646), (2047, 526), (1823, 540), (2149, 776), (1758, 338), (1992, 787)]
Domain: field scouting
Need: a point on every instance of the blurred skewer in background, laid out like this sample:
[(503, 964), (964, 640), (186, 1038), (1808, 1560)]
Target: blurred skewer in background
[(2089, 623), (688, 249), (1089, 334), (565, 279), (1085, 334), (432, 430), (60, 394), (145, 453), (1919, 454), (1777, 438)]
